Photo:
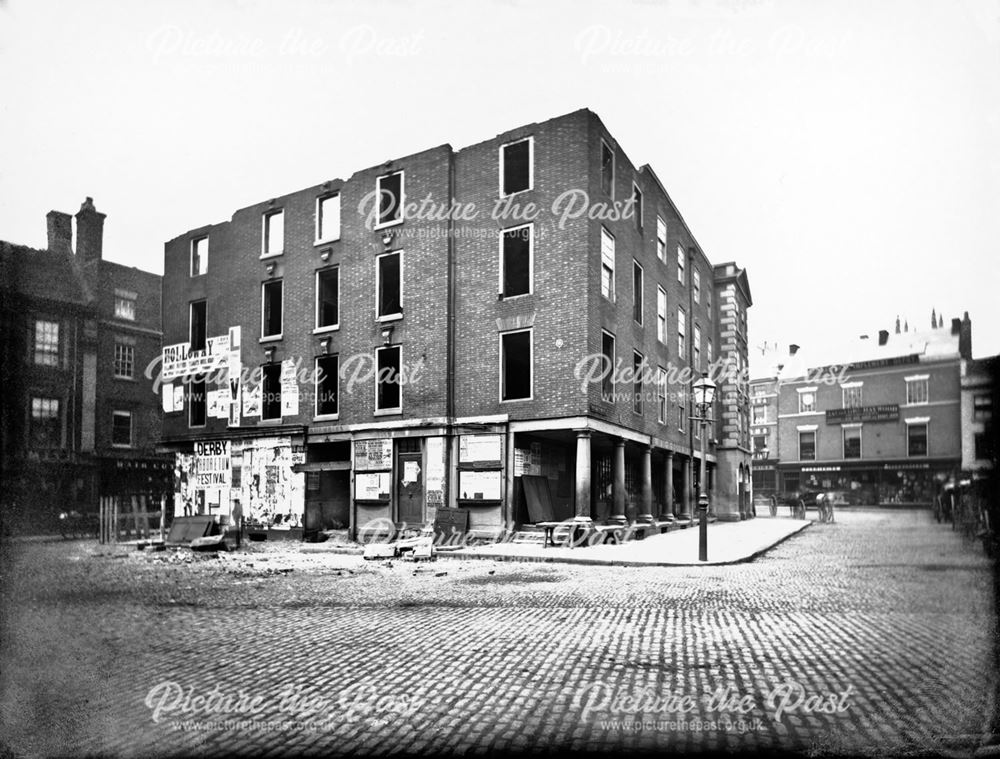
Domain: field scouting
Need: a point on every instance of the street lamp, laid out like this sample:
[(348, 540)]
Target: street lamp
[(704, 396)]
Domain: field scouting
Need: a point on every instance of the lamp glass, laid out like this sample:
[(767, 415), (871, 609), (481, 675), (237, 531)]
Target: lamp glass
[(704, 391)]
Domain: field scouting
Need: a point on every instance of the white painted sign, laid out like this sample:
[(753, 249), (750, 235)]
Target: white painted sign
[(212, 464)]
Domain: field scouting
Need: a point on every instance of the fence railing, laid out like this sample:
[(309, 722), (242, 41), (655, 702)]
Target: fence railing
[(130, 516)]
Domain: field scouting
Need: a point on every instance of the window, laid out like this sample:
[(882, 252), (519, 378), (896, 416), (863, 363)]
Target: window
[(680, 264), (697, 347), (199, 256), (852, 441), (515, 167), (696, 285), (270, 392), (760, 415), (328, 298), (661, 239), (982, 407), (637, 369), (515, 261), (46, 423), (389, 190), (708, 352), (759, 445), (637, 203), (681, 413), (661, 314), (271, 309), (124, 360), (661, 395), (807, 401), (681, 329), (607, 264), (916, 440), (327, 385), (608, 365), (125, 305), (389, 284), (636, 291), (852, 395), (916, 390), (607, 169), (121, 429), (197, 403), (273, 237), (708, 302), (197, 325), (388, 389), (515, 365), (46, 343), (327, 218), (807, 445)]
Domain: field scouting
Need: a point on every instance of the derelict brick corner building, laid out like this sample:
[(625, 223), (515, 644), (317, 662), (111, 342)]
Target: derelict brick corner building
[(79, 418), (453, 346)]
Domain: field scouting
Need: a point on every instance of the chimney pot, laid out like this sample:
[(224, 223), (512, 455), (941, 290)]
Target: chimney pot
[(883, 336), (793, 349), (89, 232), (956, 326)]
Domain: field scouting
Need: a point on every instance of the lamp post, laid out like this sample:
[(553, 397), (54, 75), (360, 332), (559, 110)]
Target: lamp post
[(704, 396)]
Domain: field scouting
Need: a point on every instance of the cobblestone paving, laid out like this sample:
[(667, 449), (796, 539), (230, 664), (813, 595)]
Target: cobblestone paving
[(884, 614)]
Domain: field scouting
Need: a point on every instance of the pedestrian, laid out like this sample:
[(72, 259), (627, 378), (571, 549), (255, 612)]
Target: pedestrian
[(237, 516)]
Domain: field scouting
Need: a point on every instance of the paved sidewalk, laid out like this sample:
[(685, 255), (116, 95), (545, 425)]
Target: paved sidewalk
[(728, 543)]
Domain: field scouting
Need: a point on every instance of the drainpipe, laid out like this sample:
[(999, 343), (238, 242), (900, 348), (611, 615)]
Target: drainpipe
[(450, 337), (689, 338)]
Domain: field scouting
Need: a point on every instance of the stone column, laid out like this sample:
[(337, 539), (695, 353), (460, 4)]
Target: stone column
[(646, 473), (618, 493), (688, 497), (668, 486), (582, 512)]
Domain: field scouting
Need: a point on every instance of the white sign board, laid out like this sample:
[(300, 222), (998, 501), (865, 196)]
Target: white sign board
[(372, 454), (212, 464)]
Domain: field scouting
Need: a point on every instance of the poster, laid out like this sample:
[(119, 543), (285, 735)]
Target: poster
[(178, 397), (434, 475), (212, 464), (235, 371), (251, 401), (372, 454), (167, 392), (271, 493), (371, 486), (289, 389), (479, 448)]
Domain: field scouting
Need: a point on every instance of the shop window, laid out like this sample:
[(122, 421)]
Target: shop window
[(388, 390), (327, 385), (515, 166), (807, 446), (852, 442), (270, 392), (272, 309), (515, 365), (328, 298), (389, 190), (916, 439), (515, 261)]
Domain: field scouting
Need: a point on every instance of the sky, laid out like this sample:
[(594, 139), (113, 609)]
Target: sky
[(846, 153)]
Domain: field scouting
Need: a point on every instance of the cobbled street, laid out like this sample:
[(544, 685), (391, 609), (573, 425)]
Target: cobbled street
[(871, 635)]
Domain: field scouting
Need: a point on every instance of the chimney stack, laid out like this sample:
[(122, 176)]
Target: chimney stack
[(60, 228), (793, 349), (883, 336), (956, 326), (89, 232), (965, 337)]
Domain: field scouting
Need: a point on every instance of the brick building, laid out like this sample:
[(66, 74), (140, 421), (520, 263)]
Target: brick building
[(432, 332), (884, 426), (79, 418)]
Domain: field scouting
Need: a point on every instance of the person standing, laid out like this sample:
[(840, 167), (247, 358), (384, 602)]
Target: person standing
[(238, 521)]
